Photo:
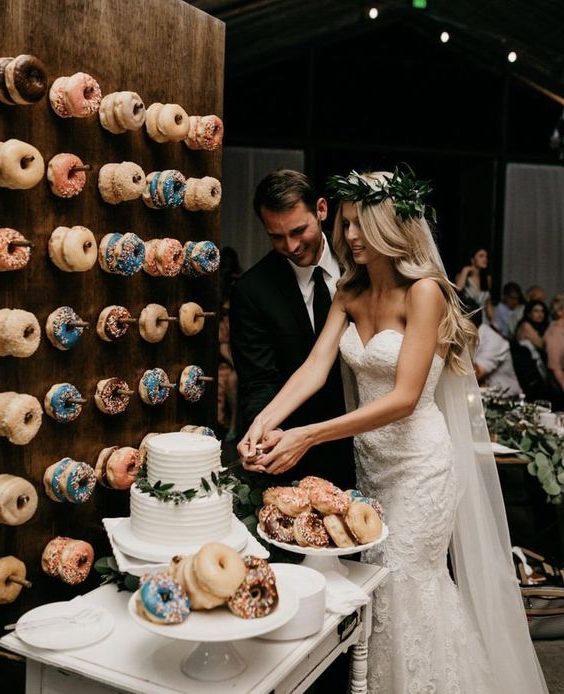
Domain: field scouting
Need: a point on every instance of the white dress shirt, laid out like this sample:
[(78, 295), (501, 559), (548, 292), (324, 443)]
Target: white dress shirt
[(331, 274), (494, 356)]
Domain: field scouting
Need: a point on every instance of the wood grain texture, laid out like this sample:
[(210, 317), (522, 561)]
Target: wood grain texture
[(166, 51)]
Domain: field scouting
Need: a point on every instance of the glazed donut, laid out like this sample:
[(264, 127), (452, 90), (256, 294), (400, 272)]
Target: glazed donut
[(18, 500), (357, 496), (113, 323), (191, 318), (121, 182), (64, 328), (55, 247), (338, 531), (329, 502), (153, 322), (205, 257), (164, 189), (150, 263), (218, 569), (363, 523), (26, 79), (278, 525), (5, 97), (192, 384), (154, 387), (118, 467), (129, 253), (290, 500), (187, 268), (205, 132), (78, 95), (160, 599), (112, 395), (106, 255), (151, 118), (21, 165), (195, 429), (101, 467), (202, 194), (143, 446), (172, 122), (63, 402), (169, 257), (20, 417), (73, 249), (257, 595), (75, 562), (13, 257), (107, 115), (182, 570), (20, 333), (129, 110), (66, 174), (12, 579), (69, 480), (309, 531)]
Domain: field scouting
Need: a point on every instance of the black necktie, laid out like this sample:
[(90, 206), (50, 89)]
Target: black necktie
[(321, 300)]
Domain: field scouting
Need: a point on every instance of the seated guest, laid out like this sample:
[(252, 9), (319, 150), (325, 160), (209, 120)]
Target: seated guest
[(531, 329), (533, 293), (511, 298), (492, 361), (554, 343)]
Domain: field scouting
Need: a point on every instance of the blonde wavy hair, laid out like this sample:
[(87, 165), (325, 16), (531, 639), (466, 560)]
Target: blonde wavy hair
[(410, 245)]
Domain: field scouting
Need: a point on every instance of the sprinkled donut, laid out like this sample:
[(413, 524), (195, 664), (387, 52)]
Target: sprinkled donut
[(311, 483), (66, 174), (13, 256), (202, 194), (205, 257), (21, 165), (76, 96), (153, 322), (164, 189), (20, 333), (129, 254), (187, 267), (113, 323), (309, 530), (18, 500), (150, 263), (219, 569), (169, 257), (195, 429), (12, 579), (63, 402), (69, 480), (329, 502), (112, 395), (161, 600), (192, 384), (278, 525), (154, 387), (52, 554), (117, 468), (106, 256), (205, 132), (20, 417), (67, 559), (73, 249), (172, 122), (25, 79), (290, 500), (121, 182), (257, 595), (64, 328)]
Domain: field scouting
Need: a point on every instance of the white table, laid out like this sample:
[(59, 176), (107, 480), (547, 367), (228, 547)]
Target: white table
[(132, 659)]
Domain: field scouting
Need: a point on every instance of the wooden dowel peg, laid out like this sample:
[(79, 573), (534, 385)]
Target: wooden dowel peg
[(77, 401), (24, 243), (130, 321), (20, 581), (84, 167), (169, 386), (205, 314), (123, 391), (168, 319), (206, 378), (78, 324)]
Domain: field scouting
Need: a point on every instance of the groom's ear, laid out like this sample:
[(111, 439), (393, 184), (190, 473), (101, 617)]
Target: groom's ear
[(321, 209)]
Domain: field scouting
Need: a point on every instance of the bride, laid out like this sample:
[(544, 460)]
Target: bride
[(422, 450)]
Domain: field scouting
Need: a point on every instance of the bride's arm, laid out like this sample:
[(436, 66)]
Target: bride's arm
[(425, 306)]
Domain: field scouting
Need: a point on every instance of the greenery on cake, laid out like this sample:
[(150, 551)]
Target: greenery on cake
[(218, 483)]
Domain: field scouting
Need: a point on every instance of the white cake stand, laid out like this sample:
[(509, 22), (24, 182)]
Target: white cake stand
[(325, 559), (215, 659)]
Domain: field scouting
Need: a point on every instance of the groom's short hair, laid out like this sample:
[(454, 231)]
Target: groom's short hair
[(283, 189)]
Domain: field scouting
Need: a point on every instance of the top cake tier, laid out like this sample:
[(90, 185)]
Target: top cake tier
[(182, 459)]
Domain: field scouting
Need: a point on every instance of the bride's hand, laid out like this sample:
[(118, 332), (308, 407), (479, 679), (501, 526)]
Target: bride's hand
[(291, 447)]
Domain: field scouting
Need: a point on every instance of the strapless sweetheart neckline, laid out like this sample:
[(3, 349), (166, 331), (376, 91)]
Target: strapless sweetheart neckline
[(381, 332)]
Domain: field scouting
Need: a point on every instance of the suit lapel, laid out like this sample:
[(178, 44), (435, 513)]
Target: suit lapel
[(287, 285)]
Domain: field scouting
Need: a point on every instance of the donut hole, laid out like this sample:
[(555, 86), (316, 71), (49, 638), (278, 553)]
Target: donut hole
[(22, 501), (137, 251), (34, 76), (131, 469), (83, 559), (28, 417), (88, 92), (255, 593), (137, 107), (86, 245), (165, 595), (178, 118), (177, 186), (176, 255), (28, 332), (26, 161), (136, 178), (214, 192)]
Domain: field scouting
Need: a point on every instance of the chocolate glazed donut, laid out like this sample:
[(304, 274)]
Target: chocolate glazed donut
[(26, 79)]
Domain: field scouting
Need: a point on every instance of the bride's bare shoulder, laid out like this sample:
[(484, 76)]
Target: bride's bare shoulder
[(425, 292)]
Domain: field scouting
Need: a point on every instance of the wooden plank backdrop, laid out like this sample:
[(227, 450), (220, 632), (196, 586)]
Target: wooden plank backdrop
[(167, 51)]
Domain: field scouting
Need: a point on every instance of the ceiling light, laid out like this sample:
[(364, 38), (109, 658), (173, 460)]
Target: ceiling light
[(512, 56), (445, 36), (373, 12)]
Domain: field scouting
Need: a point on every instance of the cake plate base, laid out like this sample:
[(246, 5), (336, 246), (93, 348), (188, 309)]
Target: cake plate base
[(213, 662)]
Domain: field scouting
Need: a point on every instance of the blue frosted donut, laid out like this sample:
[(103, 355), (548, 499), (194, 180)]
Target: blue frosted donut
[(187, 267), (153, 191), (60, 467), (73, 481), (59, 332), (106, 255), (162, 600), (129, 255), (151, 387), (57, 403), (204, 257), (191, 385), (171, 187)]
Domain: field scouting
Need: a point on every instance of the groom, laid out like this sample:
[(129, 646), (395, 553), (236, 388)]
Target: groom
[(278, 308)]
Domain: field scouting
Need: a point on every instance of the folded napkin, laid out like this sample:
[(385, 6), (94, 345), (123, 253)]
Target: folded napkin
[(343, 596)]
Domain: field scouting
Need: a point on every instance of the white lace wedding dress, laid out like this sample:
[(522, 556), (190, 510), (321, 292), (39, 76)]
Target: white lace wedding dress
[(422, 640)]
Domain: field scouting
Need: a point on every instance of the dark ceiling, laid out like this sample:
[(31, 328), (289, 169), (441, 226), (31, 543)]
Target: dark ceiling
[(262, 32)]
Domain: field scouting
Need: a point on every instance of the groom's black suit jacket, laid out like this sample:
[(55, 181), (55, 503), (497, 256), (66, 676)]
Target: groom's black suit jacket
[(271, 336)]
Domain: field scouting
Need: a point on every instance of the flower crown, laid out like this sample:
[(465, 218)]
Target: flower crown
[(405, 192)]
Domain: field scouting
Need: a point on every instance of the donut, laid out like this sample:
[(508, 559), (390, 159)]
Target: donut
[(311, 482), (290, 500), (150, 263), (356, 495), (309, 530), (12, 579), (20, 333), (257, 595), (202, 194), (112, 395), (205, 132), (192, 383), (219, 569), (73, 249), (20, 417), (169, 257), (78, 95), (57, 97), (143, 445), (129, 110), (13, 256), (363, 522), (154, 387), (25, 78), (151, 118), (107, 116), (75, 562), (64, 328), (18, 500), (120, 467), (329, 502), (129, 253), (160, 599), (164, 189), (338, 531), (63, 402), (182, 570), (205, 257), (51, 555), (21, 165), (121, 182), (101, 467), (172, 122), (195, 429), (5, 97), (153, 322), (278, 525), (66, 175), (113, 323), (187, 268), (69, 480), (106, 256), (191, 318)]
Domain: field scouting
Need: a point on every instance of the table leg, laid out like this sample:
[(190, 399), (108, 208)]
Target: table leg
[(359, 670)]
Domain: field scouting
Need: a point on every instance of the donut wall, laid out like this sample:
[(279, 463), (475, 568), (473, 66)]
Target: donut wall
[(91, 281)]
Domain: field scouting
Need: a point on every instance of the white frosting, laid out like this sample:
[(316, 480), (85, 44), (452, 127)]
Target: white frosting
[(182, 459)]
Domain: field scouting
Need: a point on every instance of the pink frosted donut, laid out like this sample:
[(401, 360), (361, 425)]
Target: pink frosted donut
[(57, 97), (75, 561), (150, 263), (12, 257), (82, 95), (122, 467), (51, 555), (169, 257), (205, 132), (66, 181)]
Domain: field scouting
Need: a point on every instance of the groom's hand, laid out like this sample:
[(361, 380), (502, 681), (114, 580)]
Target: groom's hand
[(267, 443), (290, 448)]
